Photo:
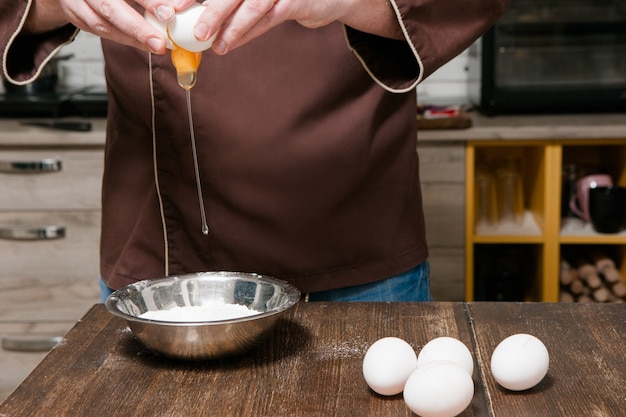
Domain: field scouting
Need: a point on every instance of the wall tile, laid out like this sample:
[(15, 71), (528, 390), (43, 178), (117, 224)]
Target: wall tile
[(86, 67), (447, 85)]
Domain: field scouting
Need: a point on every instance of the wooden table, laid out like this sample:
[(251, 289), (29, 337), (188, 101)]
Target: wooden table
[(311, 365)]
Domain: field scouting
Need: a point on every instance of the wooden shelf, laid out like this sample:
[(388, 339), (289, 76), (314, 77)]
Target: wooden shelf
[(542, 228), (577, 231), (528, 231)]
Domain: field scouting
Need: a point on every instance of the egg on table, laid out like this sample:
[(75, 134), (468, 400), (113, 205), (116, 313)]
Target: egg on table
[(520, 362), (446, 349), (439, 389), (387, 364)]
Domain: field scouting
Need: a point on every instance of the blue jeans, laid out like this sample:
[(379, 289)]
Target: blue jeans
[(105, 291), (412, 285)]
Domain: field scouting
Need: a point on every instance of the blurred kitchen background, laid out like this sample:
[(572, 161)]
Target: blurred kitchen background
[(85, 69), (499, 185)]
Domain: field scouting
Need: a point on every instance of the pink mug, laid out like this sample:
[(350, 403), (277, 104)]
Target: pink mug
[(582, 193)]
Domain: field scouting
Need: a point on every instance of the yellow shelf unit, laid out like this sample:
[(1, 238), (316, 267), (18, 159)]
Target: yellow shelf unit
[(606, 156), (545, 233)]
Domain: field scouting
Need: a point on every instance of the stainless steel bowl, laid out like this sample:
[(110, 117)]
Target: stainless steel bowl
[(206, 339)]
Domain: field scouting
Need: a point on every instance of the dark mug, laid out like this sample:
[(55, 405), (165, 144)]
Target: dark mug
[(607, 208)]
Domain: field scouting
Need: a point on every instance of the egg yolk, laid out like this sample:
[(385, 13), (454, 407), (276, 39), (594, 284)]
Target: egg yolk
[(186, 64)]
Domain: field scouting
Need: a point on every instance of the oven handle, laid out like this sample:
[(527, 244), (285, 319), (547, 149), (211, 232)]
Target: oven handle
[(32, 233), (42, 166)]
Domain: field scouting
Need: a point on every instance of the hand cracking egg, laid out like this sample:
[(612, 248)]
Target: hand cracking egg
[(520, 362), (181, 28), (186, 49), (179, 31), (161, 27), (387, 364)]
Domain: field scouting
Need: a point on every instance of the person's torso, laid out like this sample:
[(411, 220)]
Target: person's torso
[(308, 167)]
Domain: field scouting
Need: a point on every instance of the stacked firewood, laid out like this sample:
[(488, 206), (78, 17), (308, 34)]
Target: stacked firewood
[(593, 278)]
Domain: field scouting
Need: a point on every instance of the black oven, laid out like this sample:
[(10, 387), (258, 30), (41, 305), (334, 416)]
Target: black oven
[(89, 101), (552, 56), (45, 97)]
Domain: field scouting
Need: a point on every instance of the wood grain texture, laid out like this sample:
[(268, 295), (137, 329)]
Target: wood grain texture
[(441, 162), (442, 176), (587, 347), (540, 127), (447, 272), (444, 213), (311, 365)]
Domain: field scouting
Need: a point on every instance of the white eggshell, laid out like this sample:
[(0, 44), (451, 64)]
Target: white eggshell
[(520, 362), (160, 26), (446, 349), (181, 29), (387, 364), (439, 389)]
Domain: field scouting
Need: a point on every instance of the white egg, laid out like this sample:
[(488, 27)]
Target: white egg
[(161, 27), (439, 389), (520, 362), (446, 349), (387, 364), (181, 29)]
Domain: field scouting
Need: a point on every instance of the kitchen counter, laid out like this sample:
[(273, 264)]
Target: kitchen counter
[(528, 127), (525, 127), (50, 183), (311, 364), (13, 133)]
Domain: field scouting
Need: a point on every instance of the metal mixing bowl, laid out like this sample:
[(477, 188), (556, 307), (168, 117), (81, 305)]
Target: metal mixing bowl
[(205, 339)]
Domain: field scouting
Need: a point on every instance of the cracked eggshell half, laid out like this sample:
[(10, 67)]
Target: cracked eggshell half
[(181, 29), (160, 26)]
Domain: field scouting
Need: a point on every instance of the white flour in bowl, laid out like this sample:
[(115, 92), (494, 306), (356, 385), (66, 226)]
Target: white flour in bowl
[(208, 312)]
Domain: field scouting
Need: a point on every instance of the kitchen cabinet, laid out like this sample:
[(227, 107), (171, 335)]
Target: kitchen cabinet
[(543, 145), (493, 250), (536, 246), (50, 182), (522, 261), (17, 364)]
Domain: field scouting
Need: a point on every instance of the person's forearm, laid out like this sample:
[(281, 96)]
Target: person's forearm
[(44, 16)]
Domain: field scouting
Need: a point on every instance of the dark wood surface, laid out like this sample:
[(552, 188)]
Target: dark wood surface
[(311, 364)]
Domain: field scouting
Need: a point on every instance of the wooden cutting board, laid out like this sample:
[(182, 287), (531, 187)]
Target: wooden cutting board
[(462, 121)]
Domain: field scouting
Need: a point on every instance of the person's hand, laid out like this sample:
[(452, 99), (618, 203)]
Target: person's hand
[(236, 22), (118, 21), (239, 21)]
